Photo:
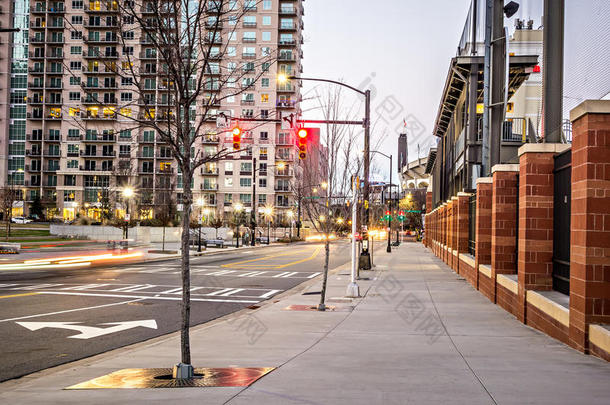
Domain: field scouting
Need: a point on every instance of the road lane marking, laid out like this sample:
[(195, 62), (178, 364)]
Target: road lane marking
[(314, 274), (140, 298), (85, 287), (71, 310), (269, 294), (18, 295), (267, 257), (36, 286), (136, 288), (88, 332), (172, 291), (313, 256)]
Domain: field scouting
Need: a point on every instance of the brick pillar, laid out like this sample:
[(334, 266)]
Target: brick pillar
[(443, 231), (463, 201), (504, 221), (535, 255), (427, 226), (483, 224), (590, 226), (454, 224)]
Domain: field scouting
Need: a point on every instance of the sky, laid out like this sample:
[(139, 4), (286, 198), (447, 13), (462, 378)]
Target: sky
[(401, 50)]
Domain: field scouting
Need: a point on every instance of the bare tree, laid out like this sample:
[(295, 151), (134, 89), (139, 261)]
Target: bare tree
[(7, 197), (182, 75)]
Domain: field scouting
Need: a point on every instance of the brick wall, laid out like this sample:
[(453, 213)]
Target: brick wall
[(590, 233), (483, 224)]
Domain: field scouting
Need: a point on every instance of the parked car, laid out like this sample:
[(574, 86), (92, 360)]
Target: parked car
[(20, 220)]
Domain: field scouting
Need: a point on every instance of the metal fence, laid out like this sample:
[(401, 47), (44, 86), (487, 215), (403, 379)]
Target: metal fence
[(472, 223)]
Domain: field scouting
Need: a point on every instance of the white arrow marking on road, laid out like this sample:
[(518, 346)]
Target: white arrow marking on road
[(88, 332)]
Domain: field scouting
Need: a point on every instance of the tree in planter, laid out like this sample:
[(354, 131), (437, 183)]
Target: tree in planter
[(8, 195), (178, 89), (217, 223), (36, 208), (237, 219)]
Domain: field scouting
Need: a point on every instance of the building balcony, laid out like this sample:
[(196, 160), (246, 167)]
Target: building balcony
[(284, 173), (32, 169), (99, 70), (210, 139), (101, 25), (249, 24), (147, 139), (33, 152), (247, 102), (282, 189), (287, 42), (52, 153), (148, 55), (208, 187), (51, 169), (209, 172), (167, 172), (36, 70), (33, 138), (100, 86), (98, 138), (90, 54), (286, 104), (288, 27), (52, 138), (288, 11), (96, 169), (286, 89), (100, 8), (283, 57), (92, 117), (111, 40)]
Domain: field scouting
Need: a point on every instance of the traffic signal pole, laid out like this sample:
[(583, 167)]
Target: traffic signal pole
[(389, 248)]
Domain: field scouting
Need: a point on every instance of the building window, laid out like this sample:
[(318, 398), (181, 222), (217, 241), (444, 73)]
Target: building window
[(267, 20), (245, 199), (74, 81), (228, 181), (125, 134), (72, 164), (76, 50), (74, 96), (266, 4), (245, 182), (262, 183), (68, 195), (77, 19), (265, 66), (266, 36), (77, 4)]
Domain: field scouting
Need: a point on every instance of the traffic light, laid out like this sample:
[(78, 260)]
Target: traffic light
[(236, 138), (302, 134), (401, 216), (388, 215)]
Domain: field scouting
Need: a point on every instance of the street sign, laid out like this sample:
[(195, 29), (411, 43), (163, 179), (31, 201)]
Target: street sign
[(127, 217), (223, 121), (88, 332)]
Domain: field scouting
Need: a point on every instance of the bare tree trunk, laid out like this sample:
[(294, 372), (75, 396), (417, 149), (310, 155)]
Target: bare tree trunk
[(163, 248), (185, 345), (322, 306)]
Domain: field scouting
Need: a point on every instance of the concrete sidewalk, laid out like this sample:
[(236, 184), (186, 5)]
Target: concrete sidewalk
[(421, 334)]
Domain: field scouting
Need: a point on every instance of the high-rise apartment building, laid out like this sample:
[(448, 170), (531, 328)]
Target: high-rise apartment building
[(81, 149), (13, 96)]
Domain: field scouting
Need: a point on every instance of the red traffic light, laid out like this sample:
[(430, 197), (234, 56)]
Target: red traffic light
[(236, 138), (387, 212), (236, 131), (302, 133)]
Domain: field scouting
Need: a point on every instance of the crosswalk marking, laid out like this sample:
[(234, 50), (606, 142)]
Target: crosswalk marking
[(269, 294), (221, 272), (37, 286), (134, 288), (290, 274), (252, 274), (85, 287), (314, 274), (171, 291), (281, 274), (225, 292)]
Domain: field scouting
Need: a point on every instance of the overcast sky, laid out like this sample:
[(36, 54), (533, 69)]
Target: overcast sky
[(401, 49)]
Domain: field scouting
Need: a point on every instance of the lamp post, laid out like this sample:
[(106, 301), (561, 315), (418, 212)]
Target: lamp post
[(237, 208), (280, 166), (200, 203), (127, 192), (389, 248), (268, 211), (282, 78)]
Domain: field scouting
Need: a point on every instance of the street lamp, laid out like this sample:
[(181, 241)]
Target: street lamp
[(200, 203), (283, 78), (389, 248), (238, 207), (280, 166), (128, 192), (268, 211)]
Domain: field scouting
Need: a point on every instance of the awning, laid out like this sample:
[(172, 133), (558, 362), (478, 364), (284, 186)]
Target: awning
[(455, 86)]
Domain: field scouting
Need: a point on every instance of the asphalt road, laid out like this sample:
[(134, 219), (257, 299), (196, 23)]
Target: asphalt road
[(70, 314)]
